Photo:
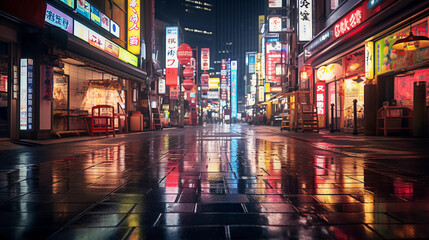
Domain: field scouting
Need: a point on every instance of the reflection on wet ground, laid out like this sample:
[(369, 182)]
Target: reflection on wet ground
[(211, 182)]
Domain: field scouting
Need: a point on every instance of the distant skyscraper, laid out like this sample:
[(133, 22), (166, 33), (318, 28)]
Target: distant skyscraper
[(237, 32), (196, 18)]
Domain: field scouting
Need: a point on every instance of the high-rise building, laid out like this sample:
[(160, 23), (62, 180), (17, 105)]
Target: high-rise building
[(196, 19), (236, 33)]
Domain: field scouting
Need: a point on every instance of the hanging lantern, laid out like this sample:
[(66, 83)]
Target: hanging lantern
[(188, 72), (184, 54), (205, 77), (188, 84)]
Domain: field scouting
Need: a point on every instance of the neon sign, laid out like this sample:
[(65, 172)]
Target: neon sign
[(134, 26), (348, 23), (320, 98)]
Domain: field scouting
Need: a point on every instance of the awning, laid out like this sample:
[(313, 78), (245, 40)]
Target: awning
[(96, 58)]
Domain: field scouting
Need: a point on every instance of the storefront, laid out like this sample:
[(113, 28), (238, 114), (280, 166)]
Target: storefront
[(354, 61), (18, 26), (81, 67)]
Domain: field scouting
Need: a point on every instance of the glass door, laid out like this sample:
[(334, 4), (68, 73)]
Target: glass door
[(61, 105), (4, 90)]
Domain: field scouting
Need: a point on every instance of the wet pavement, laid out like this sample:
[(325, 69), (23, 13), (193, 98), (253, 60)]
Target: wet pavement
[(217, 182)]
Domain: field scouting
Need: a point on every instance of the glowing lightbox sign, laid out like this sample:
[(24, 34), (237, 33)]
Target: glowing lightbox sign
[(320, 98), (84, 8), (351, 21), (70, 3), (205, 59), (305, 20), (103, 44), (275, 3), (58, 19), (233, 89), (26, 95), (133, 43), (95, 15), (171, 62)]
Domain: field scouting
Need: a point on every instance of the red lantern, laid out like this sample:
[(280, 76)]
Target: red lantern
[(188, 72), (205, 77), (184, 54), (188, 84)]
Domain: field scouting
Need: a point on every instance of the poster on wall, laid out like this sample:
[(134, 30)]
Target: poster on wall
[(84, 8), (355, 63), (388, 59)]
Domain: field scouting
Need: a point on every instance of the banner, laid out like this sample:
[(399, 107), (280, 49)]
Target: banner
[(205, 59)]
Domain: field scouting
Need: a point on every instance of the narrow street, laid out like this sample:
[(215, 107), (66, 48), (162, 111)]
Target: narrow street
[(217, 182)]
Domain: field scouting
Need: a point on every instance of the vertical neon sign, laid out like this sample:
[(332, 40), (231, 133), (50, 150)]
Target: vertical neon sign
[(320, 98), (233, 89), (134, 26)]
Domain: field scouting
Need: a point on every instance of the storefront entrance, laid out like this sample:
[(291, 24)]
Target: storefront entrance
[(4, 90)]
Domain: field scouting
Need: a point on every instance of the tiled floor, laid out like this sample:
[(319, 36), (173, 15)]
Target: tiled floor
[(211, 182)]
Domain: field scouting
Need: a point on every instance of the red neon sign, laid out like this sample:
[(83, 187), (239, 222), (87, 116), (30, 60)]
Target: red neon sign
[(320, 98), (349, 22)]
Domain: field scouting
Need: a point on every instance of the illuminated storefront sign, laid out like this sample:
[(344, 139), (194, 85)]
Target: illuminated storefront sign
[(275, 89), (261, 94), (105, 22), (214, 83), (115, 29), (275, 3), (174, 92), (252, 63), (348, 23), (205, 58), (103, 44), (70, 3), (388, 59), (329, 72), (171, 62), (223, 81), (369, 60), (26, 95), (233, 89), (95, 15), (161, 86), (134, 26), (273, 56), (305, 20), (83, 7), (213, 94), (274, 24), (320, 98), (58, 19)]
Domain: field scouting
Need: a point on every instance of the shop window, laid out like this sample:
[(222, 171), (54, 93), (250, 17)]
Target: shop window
[(79, 89), (404, 87)]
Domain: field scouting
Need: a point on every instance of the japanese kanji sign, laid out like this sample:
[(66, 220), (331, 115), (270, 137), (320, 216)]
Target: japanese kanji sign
[(305, 20), (346, 24), (320, 98), (171, 62), (134, 26), (58, 19)]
